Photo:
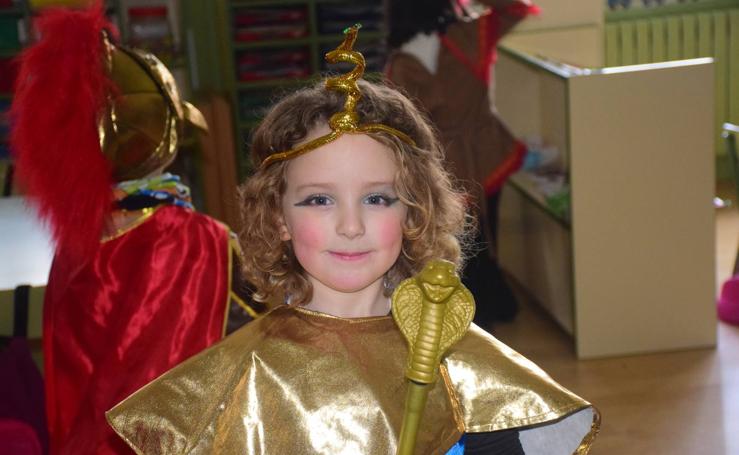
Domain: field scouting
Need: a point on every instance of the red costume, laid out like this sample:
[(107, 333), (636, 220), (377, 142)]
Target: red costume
[(149, 299), (480, 148), (140, 282)]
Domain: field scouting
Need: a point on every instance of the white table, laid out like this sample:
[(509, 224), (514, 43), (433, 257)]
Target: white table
[(26, 252)]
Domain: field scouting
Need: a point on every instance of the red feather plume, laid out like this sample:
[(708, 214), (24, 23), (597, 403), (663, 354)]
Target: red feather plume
[(61, 90)]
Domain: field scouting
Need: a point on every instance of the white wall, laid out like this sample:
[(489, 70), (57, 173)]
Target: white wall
[(569, 31)]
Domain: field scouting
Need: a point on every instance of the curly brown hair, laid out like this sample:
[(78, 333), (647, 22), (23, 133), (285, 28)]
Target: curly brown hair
[(436, 226)]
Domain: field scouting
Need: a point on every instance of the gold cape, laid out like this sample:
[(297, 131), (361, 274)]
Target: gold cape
[(300, 382)]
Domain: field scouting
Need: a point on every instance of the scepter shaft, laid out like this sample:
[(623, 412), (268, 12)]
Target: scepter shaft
[(421, 373), (415, 402)]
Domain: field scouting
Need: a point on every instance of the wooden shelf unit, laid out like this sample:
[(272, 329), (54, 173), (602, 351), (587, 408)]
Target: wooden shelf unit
[(633, 269)]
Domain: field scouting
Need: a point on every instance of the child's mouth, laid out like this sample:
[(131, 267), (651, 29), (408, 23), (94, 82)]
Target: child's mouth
[(349, 256)]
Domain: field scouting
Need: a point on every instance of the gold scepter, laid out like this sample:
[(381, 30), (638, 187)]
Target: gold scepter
[(433, 311)]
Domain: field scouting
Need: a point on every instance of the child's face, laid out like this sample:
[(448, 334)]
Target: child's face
[(342, 214)]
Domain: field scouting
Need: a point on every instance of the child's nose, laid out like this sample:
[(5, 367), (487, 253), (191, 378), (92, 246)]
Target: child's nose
[(350, 223)]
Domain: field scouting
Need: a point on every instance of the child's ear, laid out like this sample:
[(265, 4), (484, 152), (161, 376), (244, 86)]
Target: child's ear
[(282, 229)]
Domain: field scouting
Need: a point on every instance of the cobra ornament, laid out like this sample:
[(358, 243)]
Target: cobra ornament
[(433, 311)]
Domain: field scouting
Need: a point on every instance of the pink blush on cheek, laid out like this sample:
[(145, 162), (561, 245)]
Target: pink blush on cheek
[(389, 233), (310, 235)]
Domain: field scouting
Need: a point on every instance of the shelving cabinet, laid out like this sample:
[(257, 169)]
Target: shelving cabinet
[(631, 269)]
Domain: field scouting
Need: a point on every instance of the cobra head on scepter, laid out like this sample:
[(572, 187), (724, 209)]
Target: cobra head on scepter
[(433, 311)]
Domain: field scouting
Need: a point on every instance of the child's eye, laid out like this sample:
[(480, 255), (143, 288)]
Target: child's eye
[(380, 199), (315, 199)]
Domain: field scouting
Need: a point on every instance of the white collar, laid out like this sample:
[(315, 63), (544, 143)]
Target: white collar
[(425, 47)]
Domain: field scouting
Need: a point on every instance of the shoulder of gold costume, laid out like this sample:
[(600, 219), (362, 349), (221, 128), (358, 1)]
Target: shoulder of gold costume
[(479, 365)]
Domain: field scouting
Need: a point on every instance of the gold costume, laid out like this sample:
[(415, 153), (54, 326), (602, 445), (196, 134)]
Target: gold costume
[(301, 382)]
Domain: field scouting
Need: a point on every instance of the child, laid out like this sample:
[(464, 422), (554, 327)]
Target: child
[(442, 54), (140, 281), (349, 198)]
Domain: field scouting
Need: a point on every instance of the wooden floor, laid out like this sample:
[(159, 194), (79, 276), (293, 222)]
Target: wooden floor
[(669, 403)]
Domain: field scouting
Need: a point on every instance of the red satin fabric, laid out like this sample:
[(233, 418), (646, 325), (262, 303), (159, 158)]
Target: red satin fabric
[(488, 37), (148, 300), (512, 163)]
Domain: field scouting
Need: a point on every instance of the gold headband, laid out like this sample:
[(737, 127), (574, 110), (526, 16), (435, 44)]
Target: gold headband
[(346, 121)]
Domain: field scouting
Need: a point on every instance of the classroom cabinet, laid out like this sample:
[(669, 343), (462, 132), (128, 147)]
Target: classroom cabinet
[(628, 265)]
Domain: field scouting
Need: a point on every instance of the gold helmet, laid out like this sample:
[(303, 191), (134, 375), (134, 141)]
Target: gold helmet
[(88, 113), (140, 129)]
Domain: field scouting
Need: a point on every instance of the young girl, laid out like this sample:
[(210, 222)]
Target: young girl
[(349, 198), (442, 54)]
